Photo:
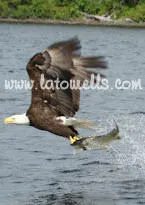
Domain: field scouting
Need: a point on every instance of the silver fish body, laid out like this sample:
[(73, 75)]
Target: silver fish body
[(101, 141)]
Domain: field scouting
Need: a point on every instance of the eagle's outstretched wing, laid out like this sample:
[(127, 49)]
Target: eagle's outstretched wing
[(62, 62)]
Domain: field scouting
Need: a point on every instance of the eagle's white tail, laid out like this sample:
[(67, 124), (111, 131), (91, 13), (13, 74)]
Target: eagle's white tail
[(77, 123)]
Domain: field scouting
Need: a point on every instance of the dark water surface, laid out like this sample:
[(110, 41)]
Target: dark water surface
[(37, 167)]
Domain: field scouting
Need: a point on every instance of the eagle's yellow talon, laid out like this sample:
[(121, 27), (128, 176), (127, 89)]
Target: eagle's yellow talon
[(73, 139)]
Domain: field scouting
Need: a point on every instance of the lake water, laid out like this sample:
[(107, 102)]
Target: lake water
[(37, 167)]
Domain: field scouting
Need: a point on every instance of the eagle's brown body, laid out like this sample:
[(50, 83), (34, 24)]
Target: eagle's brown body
[(60, 61)]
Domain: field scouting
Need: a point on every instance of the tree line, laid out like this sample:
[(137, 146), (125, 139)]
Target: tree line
[(72, 9)]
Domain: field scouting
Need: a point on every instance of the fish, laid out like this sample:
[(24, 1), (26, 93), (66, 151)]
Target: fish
[(101, 141)]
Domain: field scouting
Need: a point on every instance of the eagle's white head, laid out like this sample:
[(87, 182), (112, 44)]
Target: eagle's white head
[(17, 119)]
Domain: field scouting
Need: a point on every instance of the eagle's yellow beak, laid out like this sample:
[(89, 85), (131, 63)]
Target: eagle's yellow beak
[(9, 120)]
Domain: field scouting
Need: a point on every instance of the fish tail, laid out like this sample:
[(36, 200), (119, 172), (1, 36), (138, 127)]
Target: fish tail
[(117, 128)]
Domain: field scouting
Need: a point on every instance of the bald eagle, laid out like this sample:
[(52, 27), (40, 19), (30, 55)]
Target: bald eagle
[(52, 109)]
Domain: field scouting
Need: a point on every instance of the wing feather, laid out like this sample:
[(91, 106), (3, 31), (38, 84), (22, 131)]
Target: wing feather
[(62, 61)]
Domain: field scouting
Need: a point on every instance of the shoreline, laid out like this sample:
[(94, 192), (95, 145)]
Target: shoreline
[(87, 22)]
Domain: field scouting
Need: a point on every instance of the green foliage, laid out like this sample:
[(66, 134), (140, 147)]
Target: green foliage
[(66, 13), (3, 9), (130, 2), (71, 9), (88, 6), (137, 13), (22, 12)]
